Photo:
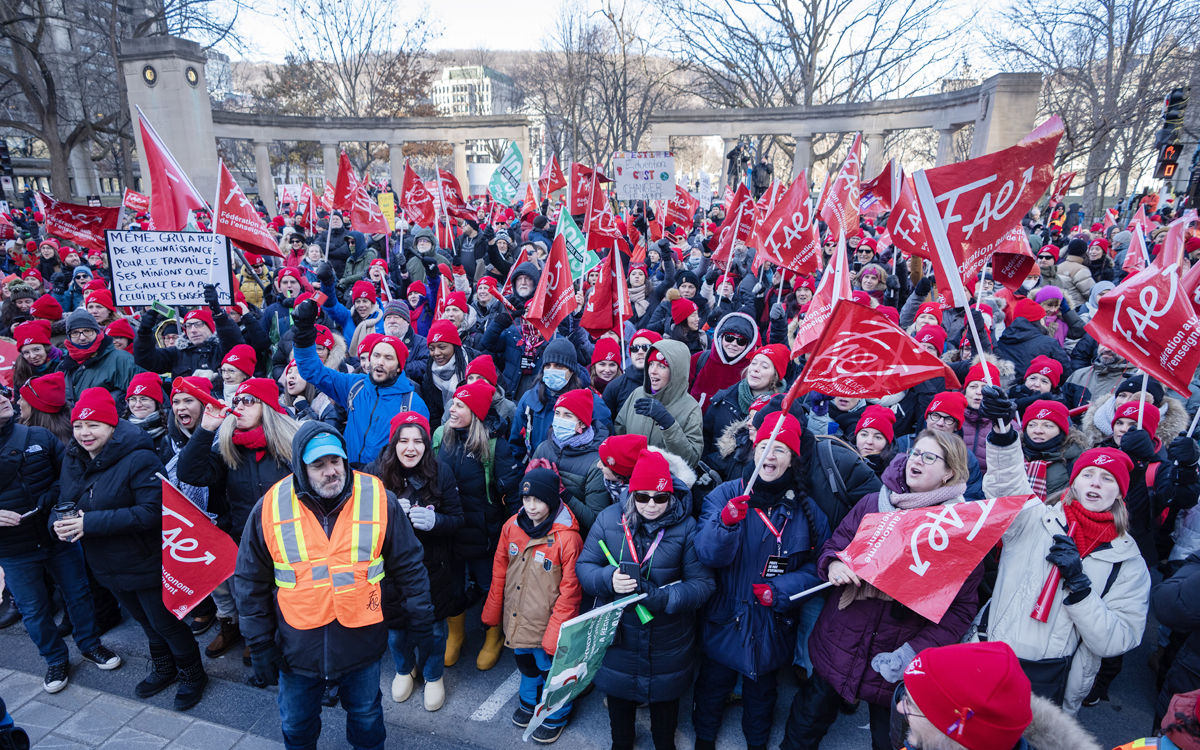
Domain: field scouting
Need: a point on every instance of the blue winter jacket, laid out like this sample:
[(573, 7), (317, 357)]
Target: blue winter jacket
[(501, 340), (369, 408), (534, 419), (738, 631)]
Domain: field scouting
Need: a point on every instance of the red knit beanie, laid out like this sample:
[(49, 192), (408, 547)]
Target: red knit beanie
[(477, 396), (645, 333), (146, 384), (47, 393), (405, 418), (1043, 365), (46, 308), (362, 289), (607, 350), (31, 332), (682, 309), (1055, 411), (779, 356), (197, 382), (651, 473), (417, 287), (1028, 309), (397, 346), (935, 335), (367, 343), (202, 315), (263, 389), (878, 418), (974, 693), (1150, 414), (976, 373), (457, 299), (578, 402), (443, 331), (789, 434), (102, 297), (243, 357), (325, 337), (120, 328), (620, 453), (484, 367), (95, 405), (951, 403), (933, 308), (1112, 460)]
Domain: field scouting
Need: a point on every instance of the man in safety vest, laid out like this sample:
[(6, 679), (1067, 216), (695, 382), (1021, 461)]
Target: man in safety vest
[(313, 553)]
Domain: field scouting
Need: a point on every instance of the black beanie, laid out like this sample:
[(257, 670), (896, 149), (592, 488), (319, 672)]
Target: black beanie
[(685, 276), (542, 484), (1077, 247), (1133, 384), (540, 222)]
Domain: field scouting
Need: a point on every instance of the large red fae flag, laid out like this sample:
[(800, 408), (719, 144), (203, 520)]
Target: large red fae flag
[(552, 177), (555, 295), (1013, 259), (452, 197), (681, 209), (834, 286), (906, 225), (1150, 321), (415, 200), (172, 195), (839, 204), (196, 555), (583, 179), (788, 235), (135, 201), (922, 557), (235, 218), (365, 214), (607, 306), (83, 225), (347, 184), (738, 225)]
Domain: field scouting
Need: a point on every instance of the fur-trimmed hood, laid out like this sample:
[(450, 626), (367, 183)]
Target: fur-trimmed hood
[(727, 441), (679, 468), (1097, 420), (1008, 371), (1055, 729)]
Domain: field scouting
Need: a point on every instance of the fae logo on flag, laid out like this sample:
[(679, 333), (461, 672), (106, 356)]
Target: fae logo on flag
[(196, 557)]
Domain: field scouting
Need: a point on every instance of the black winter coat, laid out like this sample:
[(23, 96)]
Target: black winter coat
[(181, 363), (721, 413), (483, 505), (651, 662), (30, 462), (1022, 341), (121, 499), (201, 465), (1175, 604)]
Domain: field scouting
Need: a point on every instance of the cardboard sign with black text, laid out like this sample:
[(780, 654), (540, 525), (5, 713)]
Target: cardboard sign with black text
[(170, 267)]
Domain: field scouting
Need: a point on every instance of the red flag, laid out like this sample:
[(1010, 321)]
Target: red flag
[(347, 184), (1013, 259), (1110, 218), (1135, 255), (552, 177), (1139, 220), (766, 203), (172, 194), (555, 295), (863, 354), (83, 225), (882, 185), (834, 286), (788, 235), (727, 197), (839, 208), (1172, 245), (196, 555), (442, 297), (1191, 286), (236, 218), (135, 201), (307, 210), (530, 201), (366, 215), (415, 200), (681, 209), (1060, 186), (598, 313), (906, 227), (522, 257), (1149, 321), (327, 197), (922, 557), (452, 197), (738, 225), (8, 359), (582, 180)]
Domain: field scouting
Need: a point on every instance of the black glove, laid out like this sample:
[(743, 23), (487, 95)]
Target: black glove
[(893, 283), (268, 662), (430, 263), (150, 319), (325, 273), (287, 302), (1138, 445), (210, 297), (997, 407), (489, 234), (648, 407), (1065, 556), (656, 596), (710, 278), (639, 223), (923, 287), (304, 324), (518, 306), (422, 638), (1183, 451)]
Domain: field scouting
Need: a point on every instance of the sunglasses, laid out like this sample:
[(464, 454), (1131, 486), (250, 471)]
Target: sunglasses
[(244, 401), (639, 347), (1045, 257), (735, 338), (658, 498)]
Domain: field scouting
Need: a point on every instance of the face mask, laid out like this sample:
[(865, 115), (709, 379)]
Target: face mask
[(555, 380), (564, 429)]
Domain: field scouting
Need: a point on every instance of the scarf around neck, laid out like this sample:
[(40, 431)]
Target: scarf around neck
[(254, 439), (1092, 528), (83, 354)]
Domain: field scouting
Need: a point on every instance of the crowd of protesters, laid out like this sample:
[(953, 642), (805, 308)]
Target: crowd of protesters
[(404, 458)]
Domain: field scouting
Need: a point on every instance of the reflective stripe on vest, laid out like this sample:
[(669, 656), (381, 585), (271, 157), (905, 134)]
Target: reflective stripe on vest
[(325, 578)]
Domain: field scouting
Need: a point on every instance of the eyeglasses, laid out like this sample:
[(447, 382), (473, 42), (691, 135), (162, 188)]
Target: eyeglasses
[(639, 347), (195, 324), (83, 334), (865, 251), (658, 498), (735, 338), (938, 418), (297, 241), (244, 400), (928, 459)]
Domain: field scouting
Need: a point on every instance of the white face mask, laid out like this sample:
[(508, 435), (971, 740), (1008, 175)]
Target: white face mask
[(564, 429)]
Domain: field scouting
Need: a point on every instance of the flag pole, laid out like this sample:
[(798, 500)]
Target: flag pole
[(1145, 382), (1195, 419), (616, 268)]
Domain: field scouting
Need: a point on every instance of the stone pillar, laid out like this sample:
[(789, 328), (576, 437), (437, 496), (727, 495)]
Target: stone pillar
[(802, 159), (396, 157), (726, 147), (945, 146), (1007, 111), (659, 142), (330, 151), (83, 169), (522, 144), (266, 183), (460, 165), (875, 160)]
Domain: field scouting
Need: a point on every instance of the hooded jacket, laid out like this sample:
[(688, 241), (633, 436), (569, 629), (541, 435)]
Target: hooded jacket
[(1022, 341), (121, 500), (331, 650), (653, 662), (1076, 277), (685, 438), (713, 371), (482, 502)]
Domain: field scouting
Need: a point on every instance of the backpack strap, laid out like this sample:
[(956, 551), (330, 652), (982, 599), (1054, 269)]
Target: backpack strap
[(1112, 577), (828, 464), (354, 391)]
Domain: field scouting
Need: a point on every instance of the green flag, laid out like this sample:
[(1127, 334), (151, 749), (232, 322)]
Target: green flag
[(582, 259), (507, 177), (582, 642)]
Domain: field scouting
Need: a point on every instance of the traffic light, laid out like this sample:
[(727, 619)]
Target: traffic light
[(1173, 107), (1166, 140), (5, 160)]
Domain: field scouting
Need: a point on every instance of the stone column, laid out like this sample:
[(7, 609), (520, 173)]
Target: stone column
[(945, 146), (396, 157), (726, 147), (659, 142), (330, 151), (266, 184), (875, 160), (802, 159), (460, 165), (83, 169), (522, 144)]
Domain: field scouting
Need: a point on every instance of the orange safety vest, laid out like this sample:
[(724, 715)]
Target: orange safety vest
[(320, 579)]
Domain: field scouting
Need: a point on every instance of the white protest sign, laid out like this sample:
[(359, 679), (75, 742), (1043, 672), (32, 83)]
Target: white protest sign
[(645, 175), (170, 267), (704, 193)]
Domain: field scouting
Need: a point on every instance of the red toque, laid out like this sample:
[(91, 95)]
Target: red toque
[(1055, 411), (952, 403), (146, 384), (682, 309), (484, 366), (203, 316), (578, 402), (789, 434), (477, 396), (1043, 365), (95, 405), (651, 473), (607, 350), (933, 308), (361, 289), (47, 393), (620, 453), (1113, 461), (121, 328), (407, 418), (31, 332), (1150, 414), (935, 335), (443, 331), (263, 389), (878, 418), (243, 357)]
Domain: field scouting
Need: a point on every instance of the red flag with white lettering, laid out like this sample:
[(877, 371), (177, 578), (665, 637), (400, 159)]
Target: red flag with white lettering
[(738, 225), (681, 209), (327, 197), (172, 195), (863, 354), (552, 177), (598, 312), (882, 186), (1060, 186), (522, 257), (1013, 259), (236, 218), (196, 555), (135, 201), (83, 225), (555, 295), (452, 197), (307, 210), (834, 286), (365, 214), (415, 200), (766, 202), (839, 207), (582, 180), (788, 235), (1135, 255), (1139, 220), (922, 557), (347, 184), (906, 226), (1149, 320)]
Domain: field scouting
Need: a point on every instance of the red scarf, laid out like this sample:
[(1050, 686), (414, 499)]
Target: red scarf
[(254, 439), (82, 354), (1092, 528)]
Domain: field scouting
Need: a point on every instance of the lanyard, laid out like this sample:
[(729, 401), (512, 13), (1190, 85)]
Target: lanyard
[(777, 534), (633, 551)]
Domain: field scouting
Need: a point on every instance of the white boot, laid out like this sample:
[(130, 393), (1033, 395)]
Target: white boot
[(402, 686), (435, 694)]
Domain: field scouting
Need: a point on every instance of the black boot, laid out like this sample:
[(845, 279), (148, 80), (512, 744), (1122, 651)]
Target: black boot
[(163, 673), (8, 611), (192, 681)]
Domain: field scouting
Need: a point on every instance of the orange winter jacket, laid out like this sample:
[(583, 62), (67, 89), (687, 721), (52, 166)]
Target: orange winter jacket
[(534, 588)]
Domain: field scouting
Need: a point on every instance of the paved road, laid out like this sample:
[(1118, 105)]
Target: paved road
[(97, 707)]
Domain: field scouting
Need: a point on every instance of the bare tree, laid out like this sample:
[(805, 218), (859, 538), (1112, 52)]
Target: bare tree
[(1106, 65)]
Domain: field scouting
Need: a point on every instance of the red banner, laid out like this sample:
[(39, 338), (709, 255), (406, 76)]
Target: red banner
[(1013, 259), (681, 209), (172, 195), (862, 354), (583, 178), (327, 197), (738, 225), (1060, 186), (135, 201), (839, 204), (555, 295), (452, 197), (196, 555), (415, 201), (83, 225), (883, 186), (922, 557), (1191, 286), (788, 235), (552, 177), (834, 286), (237, 219), (347, 184), (906, 226), (8, 358)]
